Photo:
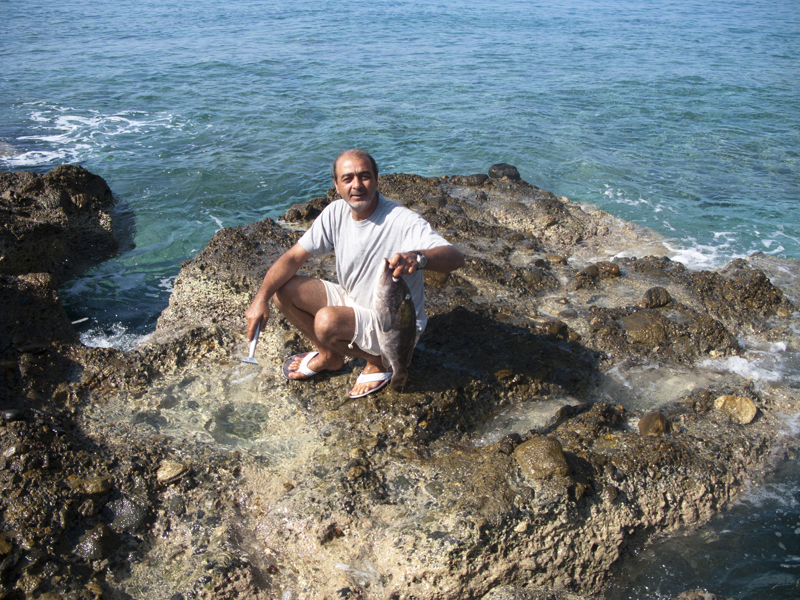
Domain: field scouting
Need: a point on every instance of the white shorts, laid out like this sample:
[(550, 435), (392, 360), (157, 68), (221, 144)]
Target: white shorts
[(366, 333)]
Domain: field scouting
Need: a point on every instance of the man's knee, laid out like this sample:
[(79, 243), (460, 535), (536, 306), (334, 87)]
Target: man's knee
[(287, 294), (330, 323)]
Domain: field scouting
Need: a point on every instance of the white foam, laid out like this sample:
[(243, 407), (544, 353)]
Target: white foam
[(118, 338), (740, 366), (167, 284), (66, 134), (703, 256)]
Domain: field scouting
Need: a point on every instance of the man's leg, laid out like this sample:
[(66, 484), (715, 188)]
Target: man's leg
[(303, 300)]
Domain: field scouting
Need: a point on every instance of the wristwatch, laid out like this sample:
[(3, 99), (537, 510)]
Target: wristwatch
[(421, 260)]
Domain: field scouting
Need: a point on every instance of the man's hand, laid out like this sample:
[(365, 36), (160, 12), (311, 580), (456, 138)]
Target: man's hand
[(403, 263), (256, 314), (442, 259)]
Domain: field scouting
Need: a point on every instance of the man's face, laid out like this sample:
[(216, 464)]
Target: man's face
[(356, 182)]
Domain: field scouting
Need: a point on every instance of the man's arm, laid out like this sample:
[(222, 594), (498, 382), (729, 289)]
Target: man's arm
[(281, 271), (442, 259)]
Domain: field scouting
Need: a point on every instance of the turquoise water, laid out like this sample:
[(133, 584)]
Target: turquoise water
[(683, 116)]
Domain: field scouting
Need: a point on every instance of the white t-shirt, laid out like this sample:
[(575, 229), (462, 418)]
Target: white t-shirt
[(361, 246)]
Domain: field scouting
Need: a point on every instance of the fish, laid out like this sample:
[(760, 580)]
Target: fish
[(397, 323)]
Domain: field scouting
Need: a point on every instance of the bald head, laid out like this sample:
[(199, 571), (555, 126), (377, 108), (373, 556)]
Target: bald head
[(355, 153)]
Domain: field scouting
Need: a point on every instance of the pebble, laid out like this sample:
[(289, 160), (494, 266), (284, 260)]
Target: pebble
[(170, 471), (10, 414), (655, 297), (14, 450), (654, 423), (93, 485), (5, 545), (556, 259), (98, 543), (740, 409), (608, 268)]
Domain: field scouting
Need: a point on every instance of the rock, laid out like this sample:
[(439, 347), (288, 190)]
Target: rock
[(170, 471), (410, 473), (556, 259), (100, 542), (740, 409), (644, 327), (501, 170), (59, 223), (608, 269), (11, 414), (699, 595), (93, 485), (655, 297), (654, 423), (126, 515), (14, 450), (542, 458)]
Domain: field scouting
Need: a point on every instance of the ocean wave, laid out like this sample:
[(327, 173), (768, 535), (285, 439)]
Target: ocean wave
[(65, 134)]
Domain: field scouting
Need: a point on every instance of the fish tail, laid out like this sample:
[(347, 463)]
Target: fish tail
[(399, 380)]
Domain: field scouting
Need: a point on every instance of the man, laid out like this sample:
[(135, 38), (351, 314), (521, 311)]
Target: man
[(362, 229)]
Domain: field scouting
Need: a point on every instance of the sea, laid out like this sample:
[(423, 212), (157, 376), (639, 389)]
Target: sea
[(682, 116)]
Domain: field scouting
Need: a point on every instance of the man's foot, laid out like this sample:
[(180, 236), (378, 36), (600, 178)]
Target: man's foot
[(308, 364), (371, 380)]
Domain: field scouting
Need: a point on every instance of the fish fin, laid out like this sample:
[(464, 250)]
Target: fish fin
[(385, 321)]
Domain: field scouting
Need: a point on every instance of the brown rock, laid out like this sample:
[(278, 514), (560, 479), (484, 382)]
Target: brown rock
[(654, 423), (542, 458), (655, 297), (608, 269), (644, 327)]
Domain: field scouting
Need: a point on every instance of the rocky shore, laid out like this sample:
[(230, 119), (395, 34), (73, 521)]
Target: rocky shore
[(513, 466)]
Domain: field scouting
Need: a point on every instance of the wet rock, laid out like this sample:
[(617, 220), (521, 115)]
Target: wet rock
[(542, 458), (93, 485), (11, 414), (57, 223), (501, 170), (307, 211), (655, 297), (14, 450), (608, 269), (654, 423), (508, 592), (556, 259), (98, 543), (740, 409), (470, 180), (126, 515), (699, 595), (644, 327)]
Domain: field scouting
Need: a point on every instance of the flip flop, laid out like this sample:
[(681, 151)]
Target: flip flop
[(384, 379), (303, 369)]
